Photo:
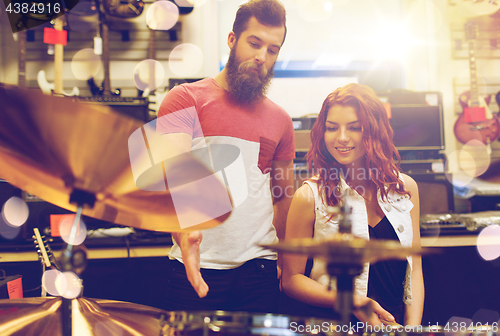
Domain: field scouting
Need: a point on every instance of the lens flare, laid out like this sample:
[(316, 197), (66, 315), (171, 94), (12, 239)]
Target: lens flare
[(488, 242), (15, 211), (85, 64), (162, 15), (185, 60)]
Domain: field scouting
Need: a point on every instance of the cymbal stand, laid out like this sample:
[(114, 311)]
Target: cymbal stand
[(345, 268), (345, 274), (69, 260)]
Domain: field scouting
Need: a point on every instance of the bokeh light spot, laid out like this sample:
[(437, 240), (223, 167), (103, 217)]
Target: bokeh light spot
[(455, 174), (49, 279), (162, 15), (488, 242), (73, 285), (185, 60), (467, 163), (65, 230), (149, 74), (8, 231), (15, 211), (85, 64), (481, 159)]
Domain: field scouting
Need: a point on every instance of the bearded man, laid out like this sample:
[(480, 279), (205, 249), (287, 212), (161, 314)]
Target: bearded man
[(225, 268)]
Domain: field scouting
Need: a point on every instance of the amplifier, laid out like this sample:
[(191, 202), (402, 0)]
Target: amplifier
[(302, 127), (436, 193), (136, 107)]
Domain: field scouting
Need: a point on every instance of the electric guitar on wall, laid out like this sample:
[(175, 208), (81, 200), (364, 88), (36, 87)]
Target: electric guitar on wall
[(150, 85), (57, 86), (148, 89), (116, 8), (476, 121)]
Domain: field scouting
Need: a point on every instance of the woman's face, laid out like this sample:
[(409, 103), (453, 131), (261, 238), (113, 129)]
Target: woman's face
[(343, 136)]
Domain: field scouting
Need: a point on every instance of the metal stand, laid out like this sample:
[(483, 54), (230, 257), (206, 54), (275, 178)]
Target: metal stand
[(68, 258), (345, 274), (345, 268)]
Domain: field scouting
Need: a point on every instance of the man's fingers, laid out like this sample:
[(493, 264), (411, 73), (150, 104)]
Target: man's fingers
[(191, 256), (199, 285), (202, 290), (196, 280)]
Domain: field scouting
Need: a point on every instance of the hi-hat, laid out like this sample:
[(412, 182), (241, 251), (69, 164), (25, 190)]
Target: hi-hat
[(42, 317), (346, 248), (54, 148)]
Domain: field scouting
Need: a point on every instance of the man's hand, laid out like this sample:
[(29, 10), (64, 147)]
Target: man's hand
[(190, 247), (370, 312)]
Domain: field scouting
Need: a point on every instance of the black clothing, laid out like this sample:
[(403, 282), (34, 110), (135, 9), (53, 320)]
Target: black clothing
[(386, 278)]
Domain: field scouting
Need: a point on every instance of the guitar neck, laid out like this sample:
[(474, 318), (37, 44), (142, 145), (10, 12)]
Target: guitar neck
[(474, 89), (105, 58), (152, 56), (42, 252), (58, 60), (21, 61)]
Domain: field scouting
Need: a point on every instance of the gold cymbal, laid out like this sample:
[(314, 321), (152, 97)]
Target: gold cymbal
[(42, 316), (51, 146), (345, 248)]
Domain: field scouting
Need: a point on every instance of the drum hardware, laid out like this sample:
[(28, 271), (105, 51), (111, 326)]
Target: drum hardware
[(72, 259), (346, 255), (223, 323)]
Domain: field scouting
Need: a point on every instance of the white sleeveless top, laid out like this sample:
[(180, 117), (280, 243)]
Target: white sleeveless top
[(397, 210)]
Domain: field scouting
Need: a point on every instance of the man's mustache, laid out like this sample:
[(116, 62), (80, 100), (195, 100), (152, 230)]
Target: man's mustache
[(246, 67)]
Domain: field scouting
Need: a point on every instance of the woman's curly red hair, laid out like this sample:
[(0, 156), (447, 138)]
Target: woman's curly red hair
[(377, 139)]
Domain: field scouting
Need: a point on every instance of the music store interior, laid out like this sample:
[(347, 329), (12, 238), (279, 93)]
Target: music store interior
[(434, 64)]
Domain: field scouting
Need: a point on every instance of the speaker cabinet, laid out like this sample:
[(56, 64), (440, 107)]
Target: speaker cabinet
[(436, 193)]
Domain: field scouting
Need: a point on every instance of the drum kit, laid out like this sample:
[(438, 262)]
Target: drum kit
[(75, 156)]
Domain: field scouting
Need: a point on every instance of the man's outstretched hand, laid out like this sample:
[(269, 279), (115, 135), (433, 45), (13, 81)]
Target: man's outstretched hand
[(190, 247)]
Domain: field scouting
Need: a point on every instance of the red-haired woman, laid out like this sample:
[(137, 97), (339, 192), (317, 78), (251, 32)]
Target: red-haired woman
[(352, 154)]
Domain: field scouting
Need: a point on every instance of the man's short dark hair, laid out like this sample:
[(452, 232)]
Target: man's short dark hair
[(267, 12)]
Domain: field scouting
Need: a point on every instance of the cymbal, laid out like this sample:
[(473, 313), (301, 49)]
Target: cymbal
[(52, 146), (346, 248), (42, 316)]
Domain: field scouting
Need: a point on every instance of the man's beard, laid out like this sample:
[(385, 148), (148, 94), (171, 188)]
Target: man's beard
[(244, 84)]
